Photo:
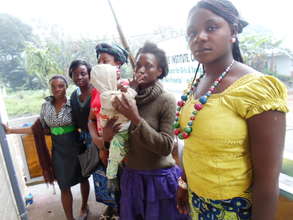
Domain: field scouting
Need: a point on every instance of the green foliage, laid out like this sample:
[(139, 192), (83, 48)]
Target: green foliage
[(24, 103), (28, 102), (41, 63), (258, 49), (287, 167), (13, 36)]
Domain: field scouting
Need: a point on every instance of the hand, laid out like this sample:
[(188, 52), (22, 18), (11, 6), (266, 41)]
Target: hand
[(123, 89), (110, 129), (182, 200), (6, 128), (135, 81), (112, 185), (98, 141), (127, 108)]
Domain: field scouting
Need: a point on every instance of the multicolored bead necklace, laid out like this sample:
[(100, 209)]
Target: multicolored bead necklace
[(185, 133)]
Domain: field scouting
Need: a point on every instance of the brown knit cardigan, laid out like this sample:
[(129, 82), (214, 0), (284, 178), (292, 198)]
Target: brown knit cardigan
[(43, 153)]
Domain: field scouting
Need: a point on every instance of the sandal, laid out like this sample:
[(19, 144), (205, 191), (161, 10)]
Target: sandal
[(115, 217), (104, 217), (84, 215)]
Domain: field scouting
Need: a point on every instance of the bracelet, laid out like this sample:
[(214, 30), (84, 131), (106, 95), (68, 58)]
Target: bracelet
[(181, 183)]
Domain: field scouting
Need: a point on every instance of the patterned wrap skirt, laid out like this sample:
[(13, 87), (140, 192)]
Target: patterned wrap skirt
[(237, 208), (150, 195)]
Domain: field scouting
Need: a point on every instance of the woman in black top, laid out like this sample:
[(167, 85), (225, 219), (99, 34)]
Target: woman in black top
[(79, 72)]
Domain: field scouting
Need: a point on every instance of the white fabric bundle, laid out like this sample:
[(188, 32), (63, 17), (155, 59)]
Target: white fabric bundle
[(104, 79)]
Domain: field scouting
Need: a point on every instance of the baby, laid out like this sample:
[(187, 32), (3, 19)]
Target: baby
[(104, 79)]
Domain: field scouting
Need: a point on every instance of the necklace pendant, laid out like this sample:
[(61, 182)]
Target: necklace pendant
[(177, 131), (203, 99), (198, 106), (184, 97)]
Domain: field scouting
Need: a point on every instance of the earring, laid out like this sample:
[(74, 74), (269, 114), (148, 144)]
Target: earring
[(233, 39)]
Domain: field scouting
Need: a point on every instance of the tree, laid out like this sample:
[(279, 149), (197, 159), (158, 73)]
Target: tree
[(13, 37), (41, 64), (258, 51)]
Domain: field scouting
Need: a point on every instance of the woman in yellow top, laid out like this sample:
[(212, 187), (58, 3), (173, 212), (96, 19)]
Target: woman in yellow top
[(232, 121)]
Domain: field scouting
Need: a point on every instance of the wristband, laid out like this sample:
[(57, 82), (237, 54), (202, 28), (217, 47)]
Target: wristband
[(181, 183)]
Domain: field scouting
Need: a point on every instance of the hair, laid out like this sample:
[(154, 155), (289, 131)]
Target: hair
[(76, 63), (160, 55), (226, 10), (59, 77), (119, 54)]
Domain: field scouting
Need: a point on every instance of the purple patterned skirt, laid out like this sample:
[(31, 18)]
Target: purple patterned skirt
[(150, 195)]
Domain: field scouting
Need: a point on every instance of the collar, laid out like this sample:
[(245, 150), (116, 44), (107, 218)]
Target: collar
[(50, 100)]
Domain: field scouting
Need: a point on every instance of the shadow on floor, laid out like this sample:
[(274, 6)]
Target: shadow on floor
[(47, 206)]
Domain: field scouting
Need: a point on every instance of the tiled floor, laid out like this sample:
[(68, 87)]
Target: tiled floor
[(47, 206)]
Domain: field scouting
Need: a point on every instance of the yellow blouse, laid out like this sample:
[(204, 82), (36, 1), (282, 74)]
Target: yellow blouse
[(216, 156)]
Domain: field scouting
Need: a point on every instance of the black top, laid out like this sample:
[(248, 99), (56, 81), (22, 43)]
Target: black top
[(80, 110)]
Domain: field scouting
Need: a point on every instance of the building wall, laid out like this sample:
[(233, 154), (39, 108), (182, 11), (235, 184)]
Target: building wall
[(284, 65), (8, 208)]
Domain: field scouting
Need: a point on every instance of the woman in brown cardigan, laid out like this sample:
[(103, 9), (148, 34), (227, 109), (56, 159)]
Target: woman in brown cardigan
[(149, 180)]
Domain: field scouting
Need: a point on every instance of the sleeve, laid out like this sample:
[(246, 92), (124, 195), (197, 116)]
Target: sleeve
[(43, 115), (266, 93), (159, 142)]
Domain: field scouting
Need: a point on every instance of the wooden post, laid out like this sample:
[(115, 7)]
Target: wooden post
[(122, 37)]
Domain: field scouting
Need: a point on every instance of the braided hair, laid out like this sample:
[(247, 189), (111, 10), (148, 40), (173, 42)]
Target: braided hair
[(226, 10)]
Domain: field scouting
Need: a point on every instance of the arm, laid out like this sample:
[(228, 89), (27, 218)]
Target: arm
[(92, 125), (27, 130), (159, 142), (266, 138), (182, 196)]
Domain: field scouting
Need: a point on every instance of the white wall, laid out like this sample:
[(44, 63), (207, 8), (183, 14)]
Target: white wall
[(8, 208), (284, 65)]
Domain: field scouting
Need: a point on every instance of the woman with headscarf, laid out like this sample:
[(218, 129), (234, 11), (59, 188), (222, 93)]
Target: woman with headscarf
[(115, 56)]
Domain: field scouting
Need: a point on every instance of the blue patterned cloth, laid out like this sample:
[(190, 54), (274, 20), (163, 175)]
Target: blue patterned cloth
[(237, 208), (101, 191)]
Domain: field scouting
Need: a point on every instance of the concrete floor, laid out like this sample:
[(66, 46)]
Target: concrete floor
[(47, 206)]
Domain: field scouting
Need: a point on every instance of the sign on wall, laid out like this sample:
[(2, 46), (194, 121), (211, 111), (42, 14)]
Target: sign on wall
[(182, 65)]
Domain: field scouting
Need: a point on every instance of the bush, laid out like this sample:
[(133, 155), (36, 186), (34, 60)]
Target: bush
[(24, 103), (287, 167)]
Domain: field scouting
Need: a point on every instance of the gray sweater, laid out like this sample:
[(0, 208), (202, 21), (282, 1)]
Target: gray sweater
[(151, 142)]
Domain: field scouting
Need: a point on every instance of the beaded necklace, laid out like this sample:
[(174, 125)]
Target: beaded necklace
[(185, 133)]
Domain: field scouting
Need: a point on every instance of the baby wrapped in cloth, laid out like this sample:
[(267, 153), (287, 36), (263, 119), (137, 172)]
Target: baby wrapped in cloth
[(104, 79)]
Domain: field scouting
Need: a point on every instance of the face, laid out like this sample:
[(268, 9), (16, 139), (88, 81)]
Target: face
[(58, 88), (209, 36), (80, 76), (106, 58), (147, 69)]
